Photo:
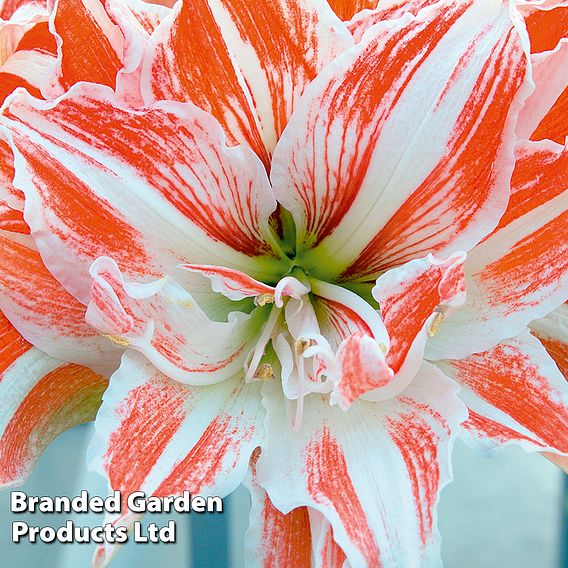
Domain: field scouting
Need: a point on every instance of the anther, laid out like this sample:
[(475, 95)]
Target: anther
[(264, 372), (116, 339), (434, 328), (302, 344), (264, 299)]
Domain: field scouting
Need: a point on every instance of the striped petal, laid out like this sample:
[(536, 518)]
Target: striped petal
[(137, 21), (273, 538), (380, 168), (161, 437), (385, 10), (150, 188), (251, 66), (414, 300), (346, 9), (40, 398), (544, 114), (27, 52), (546, 25), (162, 320), (43, 312), (374, 472), (519, 273), (90, 45), (552, 331), (515, 393)]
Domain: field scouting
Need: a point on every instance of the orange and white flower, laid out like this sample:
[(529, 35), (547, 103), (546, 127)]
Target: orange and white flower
[(303, 236)]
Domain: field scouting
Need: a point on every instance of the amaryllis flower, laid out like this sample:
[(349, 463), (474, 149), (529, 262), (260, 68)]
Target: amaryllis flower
[(316, 247)]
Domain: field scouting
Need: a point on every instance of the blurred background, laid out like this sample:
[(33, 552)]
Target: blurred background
[(503, 512)]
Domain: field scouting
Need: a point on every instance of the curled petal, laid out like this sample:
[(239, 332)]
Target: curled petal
[(90, 45), (162, 320), (552, 331), (40, 398), (414, 300), (361, 368), (544, 113), (519, 272)]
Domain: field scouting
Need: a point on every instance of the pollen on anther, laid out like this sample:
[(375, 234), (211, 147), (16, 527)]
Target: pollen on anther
[(118, 340), (264, 372), (302, 344), (264, 299), (434, 328)]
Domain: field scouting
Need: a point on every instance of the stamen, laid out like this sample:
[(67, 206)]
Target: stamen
[(263, 340), (264, 372), (300, 401), (264, 299), (302, 344), (435, 327), (116, 339)]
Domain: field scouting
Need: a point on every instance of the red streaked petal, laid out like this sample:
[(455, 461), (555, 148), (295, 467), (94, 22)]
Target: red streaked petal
[(519, 273), (162, 320), (374, 472), (552, 331), (234, 284), (275, 539), (41, 398), (544, 113), (546, 27), (385, 10), (361, 368), (516, 394), (414, 299), (346, 9), (352, 159), (9, 7), (43, 312), (137, 21), (327, 553), (251, 66), (91, 45), (151, 188), (161, 437)]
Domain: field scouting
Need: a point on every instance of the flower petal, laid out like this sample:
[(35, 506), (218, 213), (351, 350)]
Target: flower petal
[(544, 113), (150, 188), (353, 157), (251, 66), (234, 284), (137, 21), (361, 368), (374, 472), (162, 320), (546, 27), (40, 398), (552, 331), (519, 273), (90, 45), (161, 437), (43, 312), (346, 9), (414, 300), (273, 538), (515, 393), (385, 10)]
